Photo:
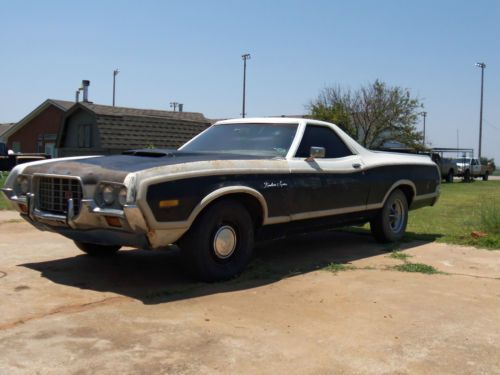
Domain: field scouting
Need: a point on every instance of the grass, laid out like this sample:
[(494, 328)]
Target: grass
[(400, 255), (4, 205), (338, 267), (416, 267), (463, 208)]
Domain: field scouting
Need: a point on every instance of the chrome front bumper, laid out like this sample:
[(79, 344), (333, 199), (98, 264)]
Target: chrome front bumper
[(90, 225)]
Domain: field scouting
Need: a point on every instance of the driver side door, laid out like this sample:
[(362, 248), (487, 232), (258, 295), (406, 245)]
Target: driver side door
[(328, 186)]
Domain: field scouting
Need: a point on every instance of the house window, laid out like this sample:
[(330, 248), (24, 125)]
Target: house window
[(16, 146), (84, 136)]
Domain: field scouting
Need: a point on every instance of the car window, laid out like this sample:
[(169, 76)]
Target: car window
[(267, 139), (321, 136)]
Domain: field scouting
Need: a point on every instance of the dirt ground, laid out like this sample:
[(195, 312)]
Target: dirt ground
[(62, 312)]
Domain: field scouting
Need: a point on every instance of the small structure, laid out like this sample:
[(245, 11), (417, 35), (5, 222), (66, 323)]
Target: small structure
[(37, 132), (90, 129)]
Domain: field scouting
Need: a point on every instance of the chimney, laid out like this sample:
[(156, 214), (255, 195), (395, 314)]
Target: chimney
[(77, 95), (85, 88), (181, 107)]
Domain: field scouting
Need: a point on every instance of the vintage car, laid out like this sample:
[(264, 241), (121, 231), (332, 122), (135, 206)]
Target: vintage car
[(238, 181)]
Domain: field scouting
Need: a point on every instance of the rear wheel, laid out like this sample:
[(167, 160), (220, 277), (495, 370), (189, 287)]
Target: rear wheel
[(97, 250), (390, 223), (219, 244), (485, 176)]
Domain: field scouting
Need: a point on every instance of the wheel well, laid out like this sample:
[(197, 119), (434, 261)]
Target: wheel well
[(408, 192), (250, 202)]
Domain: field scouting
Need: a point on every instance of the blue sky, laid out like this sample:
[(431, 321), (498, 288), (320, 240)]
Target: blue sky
[(189, 52)]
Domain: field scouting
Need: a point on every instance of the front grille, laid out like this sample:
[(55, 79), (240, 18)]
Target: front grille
[(54, 192)]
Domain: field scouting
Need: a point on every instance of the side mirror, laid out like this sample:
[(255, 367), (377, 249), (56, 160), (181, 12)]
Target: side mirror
[(316, 152)]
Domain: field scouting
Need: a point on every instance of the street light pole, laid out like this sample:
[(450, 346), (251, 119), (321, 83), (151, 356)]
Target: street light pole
[(115, 73), (245, 57), (481, 65), (424, 114)]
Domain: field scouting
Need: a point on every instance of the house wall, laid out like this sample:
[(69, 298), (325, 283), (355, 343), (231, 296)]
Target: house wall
[(42, 128)]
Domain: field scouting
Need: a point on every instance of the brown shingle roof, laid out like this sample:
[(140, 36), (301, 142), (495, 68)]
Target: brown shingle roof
[(63, 104), (5, 127), (106, 110), (118, 132), (129, 128)]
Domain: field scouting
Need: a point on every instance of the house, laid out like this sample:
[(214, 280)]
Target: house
[(90, 129), (37, 132)]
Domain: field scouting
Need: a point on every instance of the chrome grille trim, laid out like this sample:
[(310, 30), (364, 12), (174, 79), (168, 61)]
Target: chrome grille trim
[(54, 192)]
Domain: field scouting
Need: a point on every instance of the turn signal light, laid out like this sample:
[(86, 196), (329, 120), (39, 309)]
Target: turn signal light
[(23, 208), (113, 221), (169, 203)]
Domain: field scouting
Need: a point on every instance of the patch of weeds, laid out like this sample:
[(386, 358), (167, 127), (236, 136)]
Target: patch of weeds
[(397, 254), (490, 217), (416, 267), (337, 267)]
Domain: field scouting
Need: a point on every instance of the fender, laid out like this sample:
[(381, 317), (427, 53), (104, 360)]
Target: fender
[(216, 194)]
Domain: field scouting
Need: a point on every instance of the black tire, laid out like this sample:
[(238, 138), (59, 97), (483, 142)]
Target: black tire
[(486, 176), (390, 223), (97, 250), (449, 176), (467, 177), (227, 220)]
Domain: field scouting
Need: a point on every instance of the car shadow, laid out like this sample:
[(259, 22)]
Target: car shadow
[(158, 276)]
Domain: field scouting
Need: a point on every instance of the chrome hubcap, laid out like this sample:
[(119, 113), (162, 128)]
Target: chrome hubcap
[(396, 216), (224, 242)]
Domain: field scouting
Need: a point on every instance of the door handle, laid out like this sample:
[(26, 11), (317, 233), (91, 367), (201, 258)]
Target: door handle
[(356, 165)]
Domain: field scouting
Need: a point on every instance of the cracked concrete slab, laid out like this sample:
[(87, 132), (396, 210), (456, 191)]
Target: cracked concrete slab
[(63, 312)]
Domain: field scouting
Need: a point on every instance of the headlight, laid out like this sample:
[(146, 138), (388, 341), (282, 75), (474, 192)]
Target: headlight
[(108, 194), (24, 184), (122, 196)]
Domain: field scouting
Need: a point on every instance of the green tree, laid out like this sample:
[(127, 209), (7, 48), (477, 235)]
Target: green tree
[(488, 162), (373, 115)]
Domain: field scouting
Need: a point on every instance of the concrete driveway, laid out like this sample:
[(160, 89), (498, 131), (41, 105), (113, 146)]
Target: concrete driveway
[(63, 312)]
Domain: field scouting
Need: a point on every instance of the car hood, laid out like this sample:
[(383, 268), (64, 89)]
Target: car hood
[(116, 167)]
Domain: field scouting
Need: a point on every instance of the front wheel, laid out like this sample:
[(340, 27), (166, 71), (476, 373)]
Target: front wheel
[(219, 244), (97, 250), (390, 223)]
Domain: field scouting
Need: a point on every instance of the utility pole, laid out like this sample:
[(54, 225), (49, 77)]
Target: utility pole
[(424, 114), (481, 65), (245, 57), (115, 73)]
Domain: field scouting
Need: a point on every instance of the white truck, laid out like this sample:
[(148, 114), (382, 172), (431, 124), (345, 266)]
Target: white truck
[(470, 168)]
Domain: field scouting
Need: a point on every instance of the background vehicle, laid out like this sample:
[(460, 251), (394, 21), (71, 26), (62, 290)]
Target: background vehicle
[(470, 168), (447, 166), (7, 162)]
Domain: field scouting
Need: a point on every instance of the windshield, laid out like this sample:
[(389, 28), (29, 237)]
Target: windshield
[(463, 161), (272, 140)]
